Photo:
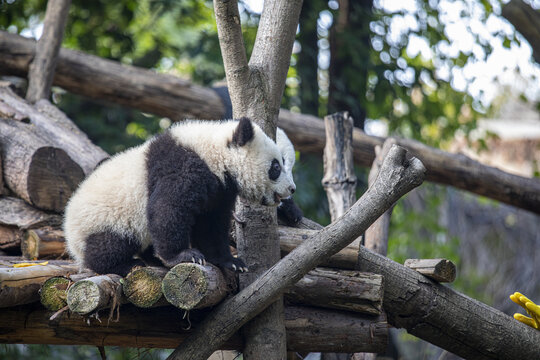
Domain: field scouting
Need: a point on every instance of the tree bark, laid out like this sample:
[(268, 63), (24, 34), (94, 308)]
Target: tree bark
[(440, 270), (526, 20), (43, 243), (398, 176), (95, 293), (15, 212), (41, 72), (19, 286), (165, 327), (167, 95), (256, 90), (339, 180), (142, 286)]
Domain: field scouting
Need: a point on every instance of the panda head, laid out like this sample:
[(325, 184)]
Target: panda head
[(257, 166)]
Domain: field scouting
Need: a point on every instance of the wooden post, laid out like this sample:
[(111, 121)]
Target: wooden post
[(53, 292), (440, 270), (142, 286), (41, 72), (42, 243), (339, 180)]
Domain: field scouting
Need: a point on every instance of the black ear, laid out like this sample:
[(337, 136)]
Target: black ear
[(243, 133)]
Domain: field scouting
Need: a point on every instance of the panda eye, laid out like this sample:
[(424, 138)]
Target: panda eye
[(275, 170)]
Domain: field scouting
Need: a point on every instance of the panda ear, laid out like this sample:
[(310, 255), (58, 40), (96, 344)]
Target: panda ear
[(243, 133)]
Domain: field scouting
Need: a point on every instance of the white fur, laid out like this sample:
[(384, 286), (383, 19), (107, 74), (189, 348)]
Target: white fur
[(286, 148), (114, 196)]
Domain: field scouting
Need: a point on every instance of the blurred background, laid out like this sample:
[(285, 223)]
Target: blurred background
[(455, 75)]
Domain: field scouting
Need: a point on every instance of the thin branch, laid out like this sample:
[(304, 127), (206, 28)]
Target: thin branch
[(233, 52), (398, 176), (42, 67)]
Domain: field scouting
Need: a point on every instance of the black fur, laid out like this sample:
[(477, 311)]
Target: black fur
[(289, 212), (243, 133), (108, 253), (189, 209), (275, 170)]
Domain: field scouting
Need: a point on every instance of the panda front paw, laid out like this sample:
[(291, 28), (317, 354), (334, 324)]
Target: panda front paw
[(186, 256), (233, 263)]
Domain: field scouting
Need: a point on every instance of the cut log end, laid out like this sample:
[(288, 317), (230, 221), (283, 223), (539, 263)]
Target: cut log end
[(52, 178), (441, 270), (189, 286), (53, 294), (84, 297), (142, 286)]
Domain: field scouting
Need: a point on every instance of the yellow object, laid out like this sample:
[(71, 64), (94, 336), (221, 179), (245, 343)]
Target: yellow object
[(532, 309), (20, 265)]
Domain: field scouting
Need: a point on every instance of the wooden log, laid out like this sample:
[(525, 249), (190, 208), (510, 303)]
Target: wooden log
[(53, 125), (10, 238), (53, 292), (441, 270), (20, 286), (339, 180), (142, 286), (95, 293), (339, 289), (167, 95), (290, 238), (41, 72), (15, 212), (41, 174), (165, 327), (191, 286), (43, 243)]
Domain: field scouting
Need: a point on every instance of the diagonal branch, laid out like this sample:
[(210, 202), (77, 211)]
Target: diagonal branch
[(397, 177)]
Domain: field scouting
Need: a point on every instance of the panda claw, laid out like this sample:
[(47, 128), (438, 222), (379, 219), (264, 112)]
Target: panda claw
[(193, 260), (245, 269), (234, 267)]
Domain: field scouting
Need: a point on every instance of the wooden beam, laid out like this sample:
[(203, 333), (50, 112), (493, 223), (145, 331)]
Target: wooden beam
[(167, 327), (166, 95)]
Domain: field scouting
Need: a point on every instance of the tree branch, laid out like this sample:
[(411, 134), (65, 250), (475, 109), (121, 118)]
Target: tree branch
[(526, 20), (41, 72), (397, 177)]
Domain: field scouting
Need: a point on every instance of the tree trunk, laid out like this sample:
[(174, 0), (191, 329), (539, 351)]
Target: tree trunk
[(398, 176), (169, 96), (95, 293), (166, 327), (41, 72), (43, 243), (19, 286)]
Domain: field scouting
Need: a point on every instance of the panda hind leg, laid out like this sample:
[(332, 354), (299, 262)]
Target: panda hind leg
[(110, 253)]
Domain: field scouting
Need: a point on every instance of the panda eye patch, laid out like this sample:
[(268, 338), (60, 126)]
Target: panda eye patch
[(275, 170)]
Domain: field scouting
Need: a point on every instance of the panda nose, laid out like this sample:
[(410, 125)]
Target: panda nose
[(292, 189)]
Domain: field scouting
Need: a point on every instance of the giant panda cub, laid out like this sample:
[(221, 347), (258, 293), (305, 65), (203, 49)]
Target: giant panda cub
[(176, 193), (287, 209)]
